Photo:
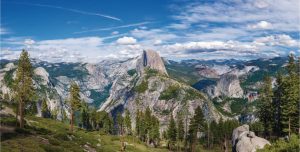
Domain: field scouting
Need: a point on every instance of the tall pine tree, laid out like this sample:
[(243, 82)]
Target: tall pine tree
[(23, 84), (172, 132), (127, 121), (290, 99), (74, 102), (265, 108)]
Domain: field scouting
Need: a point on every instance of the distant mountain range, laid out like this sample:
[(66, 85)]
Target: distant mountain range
[(220, 87)]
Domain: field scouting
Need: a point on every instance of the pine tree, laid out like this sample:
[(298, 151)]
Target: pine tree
[(120, 123), (23, 84), (172, 132), (108, 123), (290, 99), (45, 110), (197, 124), (265, 108), (154, 131), (84, 115), (74, 102), (127, 122), (137, 123), (148, 124), (180, 130), (278, 94)]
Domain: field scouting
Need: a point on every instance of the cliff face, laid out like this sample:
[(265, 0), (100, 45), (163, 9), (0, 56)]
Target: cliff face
[(228, 85), (152, 60)]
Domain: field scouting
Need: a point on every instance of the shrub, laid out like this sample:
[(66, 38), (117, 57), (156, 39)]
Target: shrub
[(131, 72), (284, 146), (170, 93), (141, 88)]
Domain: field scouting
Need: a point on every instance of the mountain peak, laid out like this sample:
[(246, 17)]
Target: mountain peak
[(152, 60)]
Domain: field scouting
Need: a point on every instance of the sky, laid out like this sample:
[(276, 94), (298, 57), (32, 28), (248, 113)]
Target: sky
[(94, 30)]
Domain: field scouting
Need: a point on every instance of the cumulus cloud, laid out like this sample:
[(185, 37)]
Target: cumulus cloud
[(261, 25), (276, 40), (126, 40), (284, 15)]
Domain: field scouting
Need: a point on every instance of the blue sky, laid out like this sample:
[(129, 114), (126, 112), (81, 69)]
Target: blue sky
[(93, 30)]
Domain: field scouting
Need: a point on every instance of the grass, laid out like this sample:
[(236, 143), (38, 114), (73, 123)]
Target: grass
[(47, 135)]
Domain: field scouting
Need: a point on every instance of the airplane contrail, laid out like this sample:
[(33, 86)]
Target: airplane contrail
[(115, 27), (71, 10)]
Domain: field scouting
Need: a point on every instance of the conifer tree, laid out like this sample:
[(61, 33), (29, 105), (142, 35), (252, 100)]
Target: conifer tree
[(23, 84), (180, 130), (265, 108), (120, 123), (45, 110), (290, 99), (127, 121), (172, 132), (74, 102), (278, 94), (197, 124), (84, 115)]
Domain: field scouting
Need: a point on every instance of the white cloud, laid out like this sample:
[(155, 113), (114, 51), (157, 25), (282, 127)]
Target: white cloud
[(261, 25), (126, 40), (277, 40), (180, 26), (283, 14)]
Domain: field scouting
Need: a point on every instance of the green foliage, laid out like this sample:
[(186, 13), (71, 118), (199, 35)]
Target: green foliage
[(151, 72), (84, 115), (120, 123), (147, 127), (172, 130), (290, 99), (182, 73), (45, 111), (127, 121), (131, 72), (192, 94), (141, 88), (172, 92), (8, 78), (74, 100), (265, 112), (23, 85), (51, 135), (257, 127), (283, 146), (180, 128)]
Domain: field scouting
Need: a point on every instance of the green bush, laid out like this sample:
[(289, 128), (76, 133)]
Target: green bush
[(141, 88), (61, 136), (170, 93), (284, 146), (131, 72), (54, 141), (50, 148), (192, 94)]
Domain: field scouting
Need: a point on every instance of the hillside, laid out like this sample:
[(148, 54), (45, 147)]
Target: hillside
[(45, 135)]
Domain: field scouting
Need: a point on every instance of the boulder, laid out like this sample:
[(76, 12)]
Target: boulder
[(244, 140)]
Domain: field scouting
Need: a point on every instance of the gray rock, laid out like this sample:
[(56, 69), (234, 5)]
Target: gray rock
[(244, 140)]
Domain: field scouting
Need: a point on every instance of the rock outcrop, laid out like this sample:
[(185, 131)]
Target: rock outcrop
[(152, 60), (244, 140), (228, 85)]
